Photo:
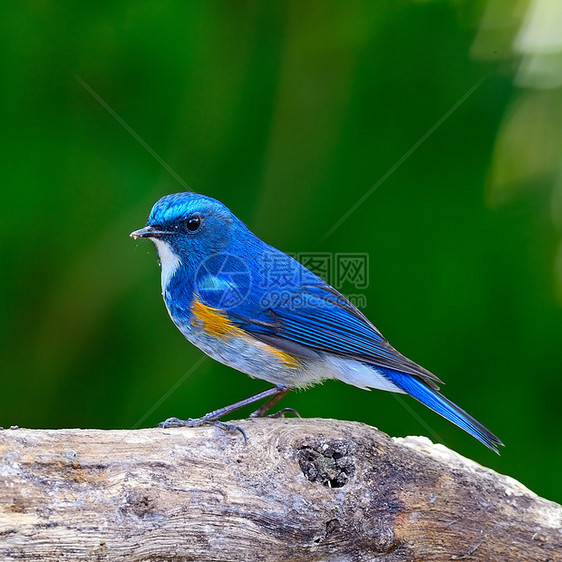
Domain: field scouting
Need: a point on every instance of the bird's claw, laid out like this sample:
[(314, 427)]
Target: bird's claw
[(280, 414), (176, 422), (229, 427), (198, 422)]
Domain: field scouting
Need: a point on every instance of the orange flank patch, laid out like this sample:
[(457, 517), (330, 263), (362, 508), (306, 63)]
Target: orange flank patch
[(215, 323), (212, 320), (289, 360)]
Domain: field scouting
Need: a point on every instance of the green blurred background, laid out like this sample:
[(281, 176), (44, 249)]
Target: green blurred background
[(288, 112)]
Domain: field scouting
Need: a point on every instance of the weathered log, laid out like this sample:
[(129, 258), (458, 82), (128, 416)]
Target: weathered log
[(298, 490)]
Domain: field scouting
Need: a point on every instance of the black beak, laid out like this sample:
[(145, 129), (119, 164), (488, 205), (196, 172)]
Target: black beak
[(148, 232)]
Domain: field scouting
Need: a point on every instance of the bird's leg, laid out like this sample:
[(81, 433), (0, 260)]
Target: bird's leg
[(212, 418), (260, 412)]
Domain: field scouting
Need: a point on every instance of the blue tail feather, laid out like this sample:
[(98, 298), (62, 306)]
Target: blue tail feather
[(442, 406)]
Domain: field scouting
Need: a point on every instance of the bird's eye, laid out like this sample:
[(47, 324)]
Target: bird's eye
[(193, 223)]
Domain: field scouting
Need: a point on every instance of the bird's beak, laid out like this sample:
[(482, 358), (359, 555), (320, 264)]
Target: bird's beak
[(148, 232)]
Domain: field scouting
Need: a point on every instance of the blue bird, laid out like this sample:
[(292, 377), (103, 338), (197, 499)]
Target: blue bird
[(256, 309)]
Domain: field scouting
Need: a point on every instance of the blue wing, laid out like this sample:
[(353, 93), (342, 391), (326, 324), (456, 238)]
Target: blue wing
[(307, 316)]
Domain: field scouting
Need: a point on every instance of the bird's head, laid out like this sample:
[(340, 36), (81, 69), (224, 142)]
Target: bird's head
[(189, 227)]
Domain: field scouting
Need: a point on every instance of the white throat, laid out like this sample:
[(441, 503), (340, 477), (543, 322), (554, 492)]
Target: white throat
[(169, 262)]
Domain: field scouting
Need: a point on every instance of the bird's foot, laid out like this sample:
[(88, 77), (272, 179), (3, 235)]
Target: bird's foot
[(280, 414), (198, 422), (176, 422)]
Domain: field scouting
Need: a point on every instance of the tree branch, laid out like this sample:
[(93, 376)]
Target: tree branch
[(299, 490)]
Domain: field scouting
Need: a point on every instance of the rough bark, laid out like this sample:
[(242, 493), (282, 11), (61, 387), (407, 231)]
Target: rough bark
[(298, 490)]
